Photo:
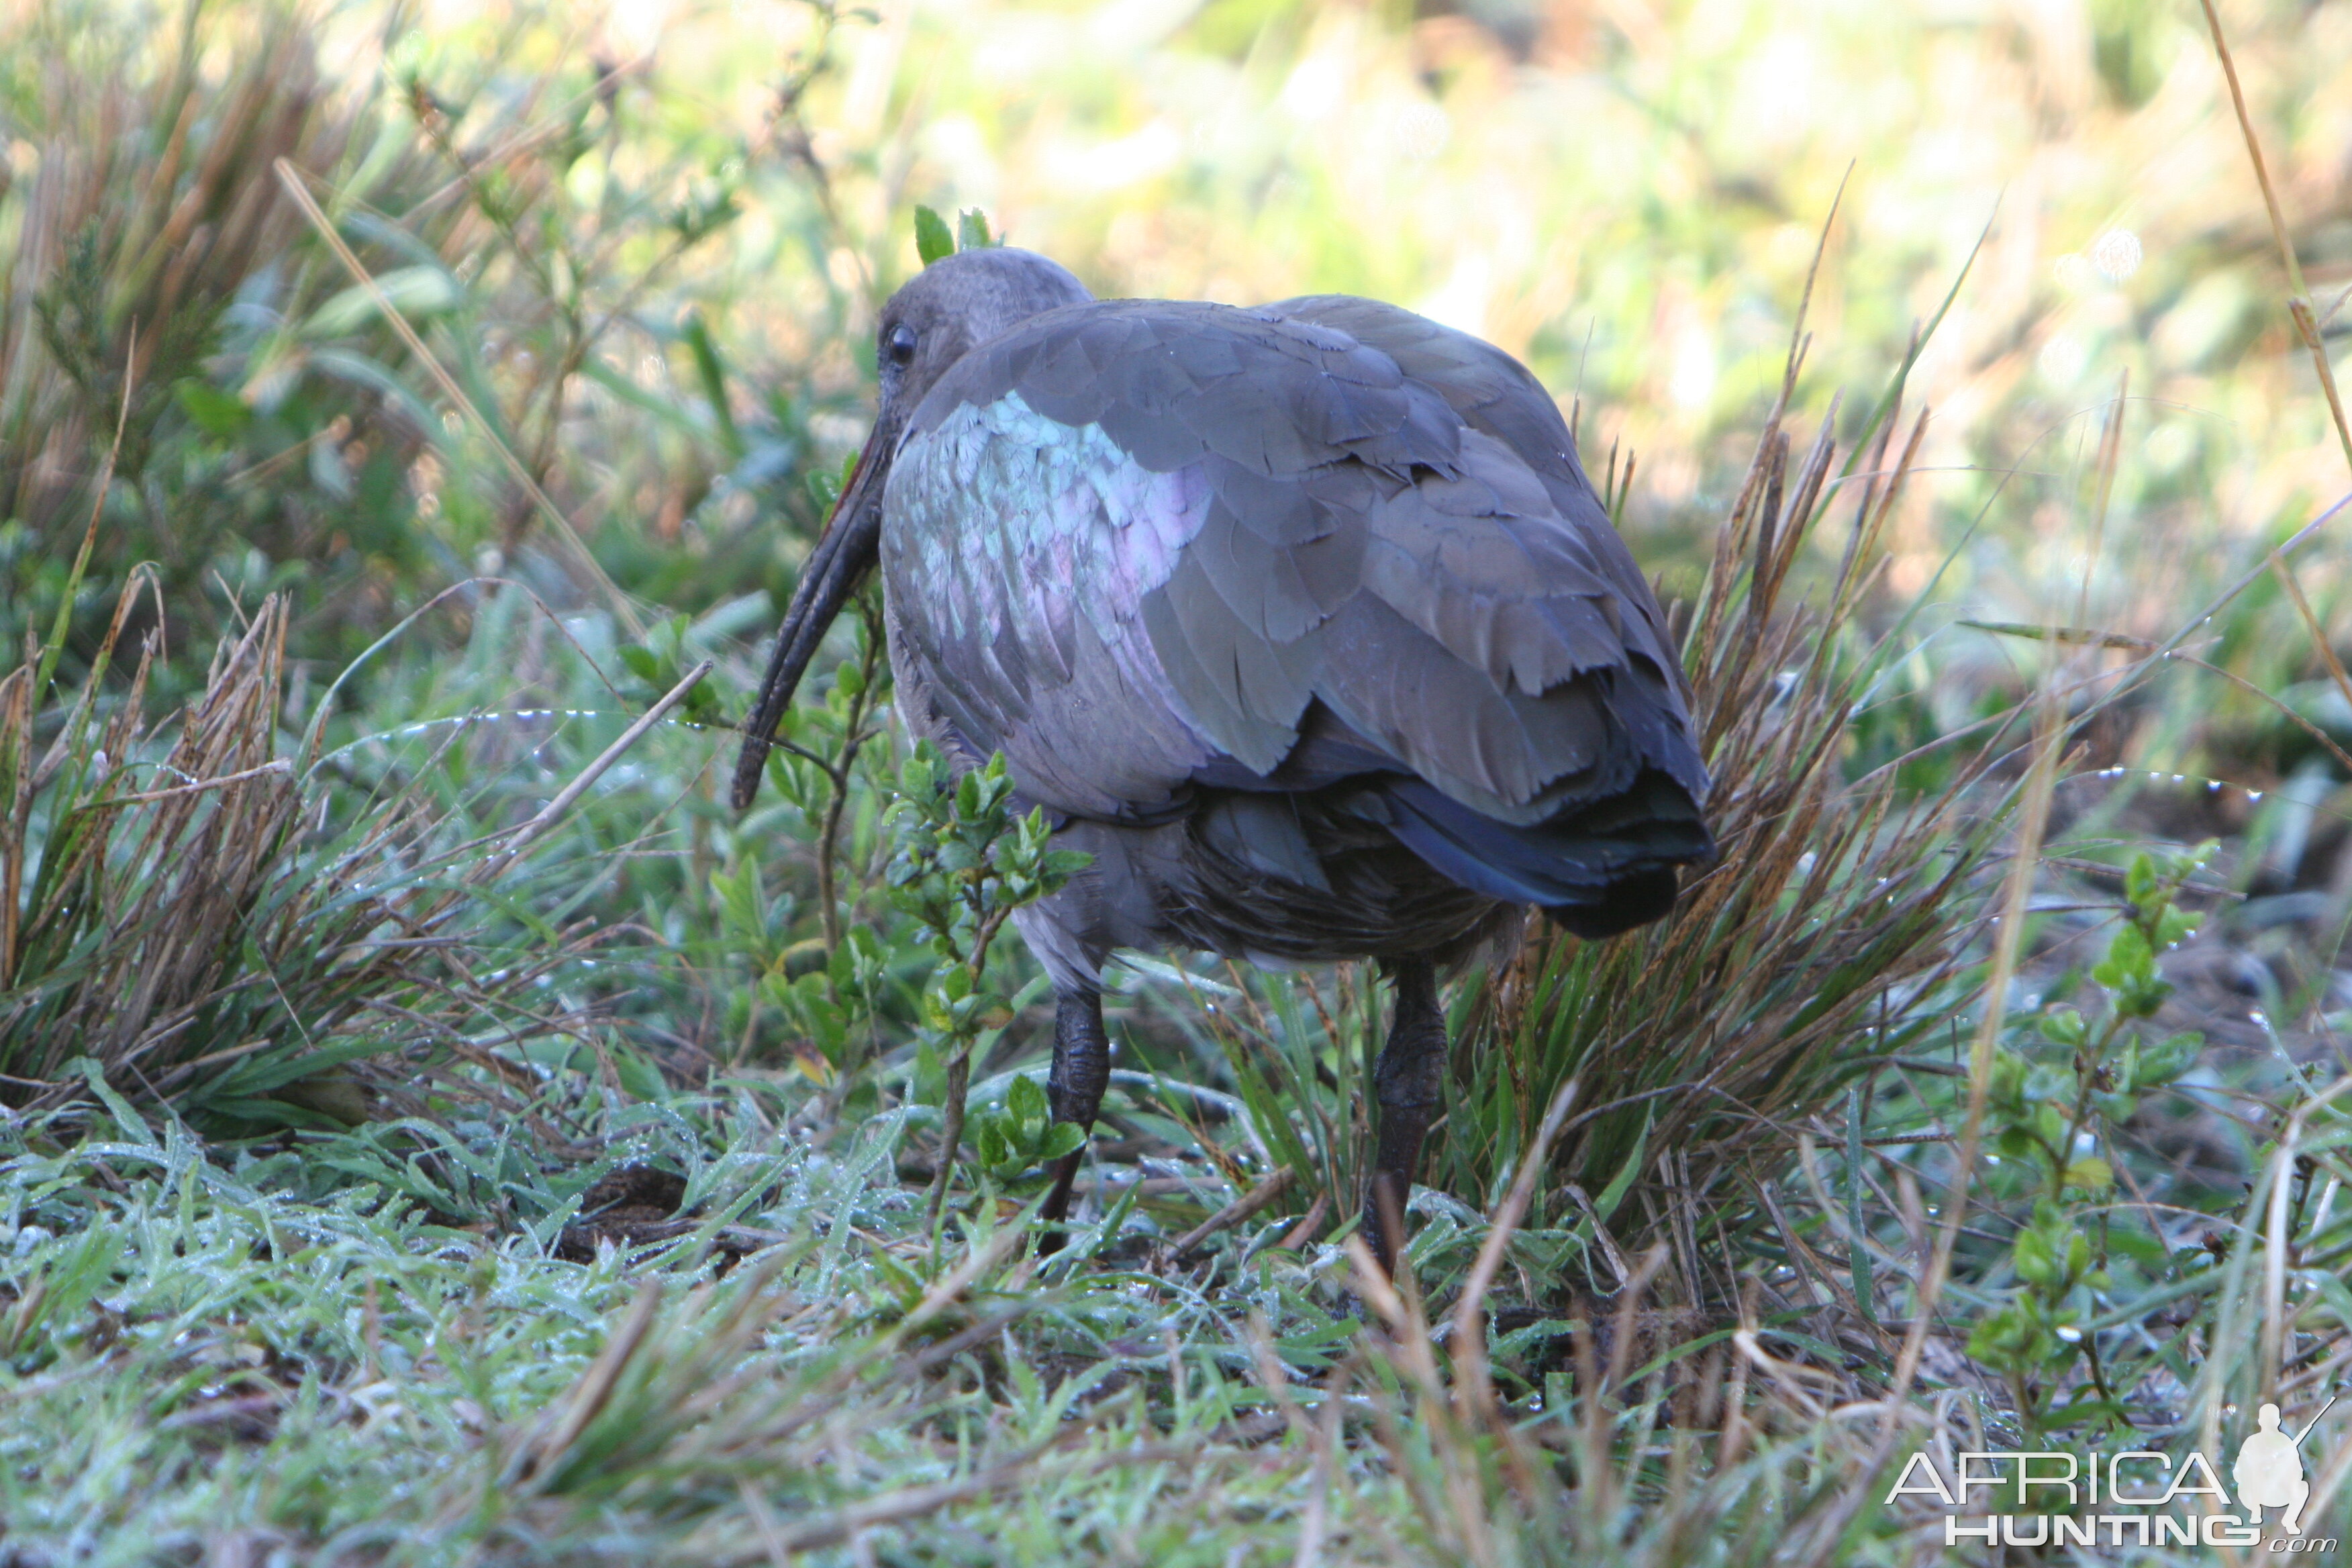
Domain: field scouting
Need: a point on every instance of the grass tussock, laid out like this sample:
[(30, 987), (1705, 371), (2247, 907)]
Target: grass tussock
[(1825, 935), (150, 209), (187, 918)]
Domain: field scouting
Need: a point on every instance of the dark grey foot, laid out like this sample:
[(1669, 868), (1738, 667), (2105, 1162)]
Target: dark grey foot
[(1408, 1086), (1075, 1091)]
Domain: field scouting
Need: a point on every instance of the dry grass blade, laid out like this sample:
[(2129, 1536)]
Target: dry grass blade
[(2320, 641), (552, 812), (1470, 1369), (536, 1459), (137, 907), (2298, 305), (2015, 901)]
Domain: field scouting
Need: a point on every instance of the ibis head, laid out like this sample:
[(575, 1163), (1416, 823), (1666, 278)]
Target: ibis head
[(944, 311)]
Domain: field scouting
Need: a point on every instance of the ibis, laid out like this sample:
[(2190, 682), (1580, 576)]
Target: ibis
[(1302, 621)]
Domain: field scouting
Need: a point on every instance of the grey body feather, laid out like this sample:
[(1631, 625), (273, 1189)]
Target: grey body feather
[(1302, 621)]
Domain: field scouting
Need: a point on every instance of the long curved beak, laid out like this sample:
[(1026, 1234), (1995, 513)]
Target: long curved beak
[(851, 544)]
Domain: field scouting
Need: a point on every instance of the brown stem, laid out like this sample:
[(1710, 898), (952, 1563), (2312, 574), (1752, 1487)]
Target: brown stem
[(951, 1131), (987, 934), (2298, 305), (827, 842), (854, 735)]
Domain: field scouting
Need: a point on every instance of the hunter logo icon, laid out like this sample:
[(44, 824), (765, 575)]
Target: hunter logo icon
[(2269, 1471)]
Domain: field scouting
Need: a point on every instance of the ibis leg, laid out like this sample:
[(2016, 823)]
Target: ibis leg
[(1075, 1091), (1408, 1085)]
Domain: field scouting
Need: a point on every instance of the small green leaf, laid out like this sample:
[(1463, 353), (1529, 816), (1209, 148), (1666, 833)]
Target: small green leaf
[(713, 376), (2063, 1027), (2160, 1064), (2005, 1085), (1026, 1100), (2130, 959), (2035, 1262), (1061, 1139), (215, 412), (2049, 1085), (972, 230), (932, 241), (2089, 1174)]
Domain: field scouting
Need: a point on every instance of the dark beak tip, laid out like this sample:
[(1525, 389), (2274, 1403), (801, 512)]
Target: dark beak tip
[(842, 558)]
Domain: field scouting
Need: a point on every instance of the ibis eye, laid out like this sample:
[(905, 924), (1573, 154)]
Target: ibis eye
[(898, 347)]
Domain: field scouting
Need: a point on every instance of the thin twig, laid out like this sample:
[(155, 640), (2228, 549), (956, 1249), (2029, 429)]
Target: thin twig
[(2285, 574), (552, 812), (1233, 1213), (279, 766)]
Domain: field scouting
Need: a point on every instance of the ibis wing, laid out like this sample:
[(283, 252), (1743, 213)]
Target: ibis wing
[(1491, 393), (1138, 545), (1016, 551)]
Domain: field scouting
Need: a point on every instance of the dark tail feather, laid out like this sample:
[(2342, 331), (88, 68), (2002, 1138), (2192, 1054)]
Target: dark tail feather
[(1635, 902), (1595, 872)]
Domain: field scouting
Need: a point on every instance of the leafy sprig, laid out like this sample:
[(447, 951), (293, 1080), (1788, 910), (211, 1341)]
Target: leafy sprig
[(966, 857), (2054, 1118)]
